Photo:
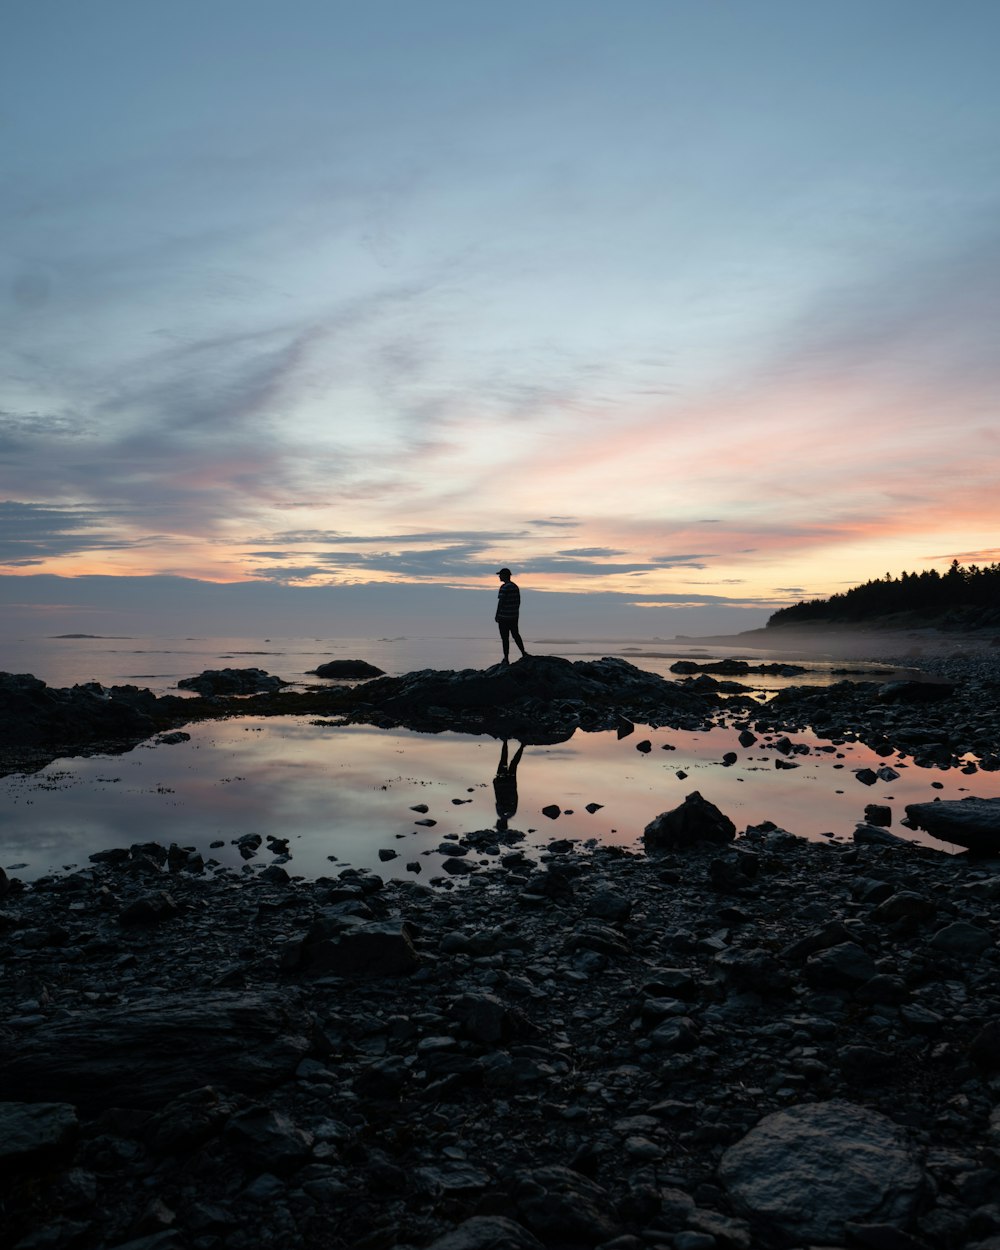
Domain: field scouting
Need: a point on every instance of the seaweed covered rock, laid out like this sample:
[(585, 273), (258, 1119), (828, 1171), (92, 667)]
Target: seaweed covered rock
[(224, 681), (32, 713)]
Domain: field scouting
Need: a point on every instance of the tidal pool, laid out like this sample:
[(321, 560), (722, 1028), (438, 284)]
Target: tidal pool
[(342, 794)]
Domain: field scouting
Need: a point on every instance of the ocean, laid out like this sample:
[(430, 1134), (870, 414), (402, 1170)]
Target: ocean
[(347, 796)]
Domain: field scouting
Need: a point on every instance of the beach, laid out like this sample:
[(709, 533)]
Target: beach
[(561, 1043)]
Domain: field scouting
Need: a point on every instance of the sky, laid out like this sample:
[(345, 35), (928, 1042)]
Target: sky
[(321, 311)]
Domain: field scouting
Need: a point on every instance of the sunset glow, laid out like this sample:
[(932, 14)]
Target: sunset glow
[(389, 297)]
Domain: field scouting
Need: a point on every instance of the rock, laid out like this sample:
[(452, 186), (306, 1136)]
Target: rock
[(753, 969), (695, 821), (186, 1122), (487, 1232), (971, 822), (35, 1132), (805, 1172), (904, 905), (560, 1205), (457, 866), (274, 874), (377, 949), (149, 1053), (228, 681), (149, 909), (268, 1139), (840, 967), (33, 714), (878, 814), (484, 1018), (866, 776), (873, 835), (915, 691), (962, 940), (609, 904), (984, 1049), (347, 669)]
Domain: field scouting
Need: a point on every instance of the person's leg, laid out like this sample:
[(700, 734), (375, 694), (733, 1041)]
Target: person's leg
[(505, 639), (517, 638)]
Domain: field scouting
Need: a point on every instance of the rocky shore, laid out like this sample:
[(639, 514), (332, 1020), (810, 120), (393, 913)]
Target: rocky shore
[(734, 1042), (948, 714), (739, 1041)]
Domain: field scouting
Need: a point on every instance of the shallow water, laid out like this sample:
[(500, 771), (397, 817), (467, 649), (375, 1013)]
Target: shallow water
[(160, 662), (340, 794)]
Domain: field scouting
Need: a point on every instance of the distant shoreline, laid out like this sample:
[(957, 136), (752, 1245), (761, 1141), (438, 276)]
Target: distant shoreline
[(861, 641)]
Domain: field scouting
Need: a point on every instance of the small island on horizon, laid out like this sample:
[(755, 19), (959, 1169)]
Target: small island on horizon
[(102, 637)]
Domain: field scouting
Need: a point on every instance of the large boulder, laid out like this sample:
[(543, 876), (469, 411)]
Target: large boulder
[(695, 821), (347, 669), (971, 822), (804, 1173), (226, 681)]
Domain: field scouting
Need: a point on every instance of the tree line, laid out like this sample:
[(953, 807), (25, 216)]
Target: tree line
[(962, 598)]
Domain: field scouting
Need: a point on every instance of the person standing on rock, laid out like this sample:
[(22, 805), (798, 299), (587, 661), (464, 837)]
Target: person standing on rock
[(508, 611)]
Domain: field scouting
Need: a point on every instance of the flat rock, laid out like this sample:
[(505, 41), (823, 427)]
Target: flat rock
[(973, 823), (147, 1054), (805, 1172)]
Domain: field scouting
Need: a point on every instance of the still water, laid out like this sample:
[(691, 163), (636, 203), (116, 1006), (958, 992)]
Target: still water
[(342, 794)]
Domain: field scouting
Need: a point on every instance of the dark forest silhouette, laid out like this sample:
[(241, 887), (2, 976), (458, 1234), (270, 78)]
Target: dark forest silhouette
[(961, 598)]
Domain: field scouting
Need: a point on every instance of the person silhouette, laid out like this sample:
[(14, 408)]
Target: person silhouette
[(505, 785), (507, 614)]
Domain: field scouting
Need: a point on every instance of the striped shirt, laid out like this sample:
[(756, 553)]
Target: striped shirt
[(508, 602)]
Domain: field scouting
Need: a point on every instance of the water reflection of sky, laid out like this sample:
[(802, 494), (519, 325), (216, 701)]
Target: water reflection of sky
[(341, 794)]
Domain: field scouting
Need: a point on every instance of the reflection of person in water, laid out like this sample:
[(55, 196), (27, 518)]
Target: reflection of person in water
[(508, 611), (505, 785)]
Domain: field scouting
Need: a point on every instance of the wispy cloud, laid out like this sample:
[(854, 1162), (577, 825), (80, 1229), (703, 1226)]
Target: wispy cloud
[(32, 533)]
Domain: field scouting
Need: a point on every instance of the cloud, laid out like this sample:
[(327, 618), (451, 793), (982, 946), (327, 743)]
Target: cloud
[(30, 533), (681, 561), (987, 555), (590, 551), (289, 537), (462, 557)]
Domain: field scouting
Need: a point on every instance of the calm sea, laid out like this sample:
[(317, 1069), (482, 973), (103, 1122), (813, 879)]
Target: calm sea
[(342, 795), (160, 663)]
